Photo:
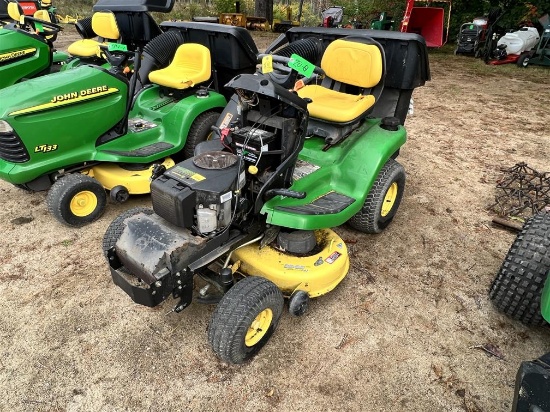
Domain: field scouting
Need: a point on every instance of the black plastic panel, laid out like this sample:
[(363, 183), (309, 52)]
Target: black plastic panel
[(162, 6)]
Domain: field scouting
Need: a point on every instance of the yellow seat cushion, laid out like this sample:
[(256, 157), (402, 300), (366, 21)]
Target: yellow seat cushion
[(191, 65), (104, 25), (15, 11), (84, 48), (351, 63), (334, 106)]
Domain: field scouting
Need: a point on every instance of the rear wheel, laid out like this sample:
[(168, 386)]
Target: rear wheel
[(115, 229), (201, 130), (517, 288), (76, 199), (245, 319), (382, 201)]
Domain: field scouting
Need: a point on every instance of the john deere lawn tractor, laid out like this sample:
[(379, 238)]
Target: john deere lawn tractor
[(83, 131), (26, 46), (246, 222), (521, 289)]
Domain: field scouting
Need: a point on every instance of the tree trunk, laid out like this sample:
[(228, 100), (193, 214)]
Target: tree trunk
[(264, 8)]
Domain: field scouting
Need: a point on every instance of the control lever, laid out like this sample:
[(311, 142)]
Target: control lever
[(285, 192)]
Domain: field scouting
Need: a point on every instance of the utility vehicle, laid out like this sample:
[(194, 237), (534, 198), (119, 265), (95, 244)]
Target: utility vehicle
[(521, 289), (80, 132), (246, 221)]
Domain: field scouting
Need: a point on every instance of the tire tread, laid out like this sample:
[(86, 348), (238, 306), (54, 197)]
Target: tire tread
[(517, 288)]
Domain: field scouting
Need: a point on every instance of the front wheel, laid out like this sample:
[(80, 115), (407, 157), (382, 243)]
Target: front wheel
[(76, 199), (517, 288), (245, 319), (382, 201)]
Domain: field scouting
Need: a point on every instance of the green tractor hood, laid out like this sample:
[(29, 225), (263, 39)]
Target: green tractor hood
[(46, 114), (22, 54)]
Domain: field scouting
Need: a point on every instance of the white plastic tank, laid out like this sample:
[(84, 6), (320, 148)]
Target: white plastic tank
[(519, 41)]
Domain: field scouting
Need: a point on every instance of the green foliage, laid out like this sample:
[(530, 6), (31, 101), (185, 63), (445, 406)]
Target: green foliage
[(81, 8), (517, 11), (228, 6)]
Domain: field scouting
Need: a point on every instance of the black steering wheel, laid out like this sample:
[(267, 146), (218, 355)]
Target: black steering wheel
[(53, 28), (283, 60), (116, 58), (283, 74)]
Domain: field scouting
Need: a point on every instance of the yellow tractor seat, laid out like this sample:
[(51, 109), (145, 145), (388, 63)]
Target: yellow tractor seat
[(105, 26), (15, 12), (84, 48), (350, 63), (334, 106), (191, 65), (42, 15)]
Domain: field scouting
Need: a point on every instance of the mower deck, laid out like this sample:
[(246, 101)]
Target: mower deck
[(316, 273)]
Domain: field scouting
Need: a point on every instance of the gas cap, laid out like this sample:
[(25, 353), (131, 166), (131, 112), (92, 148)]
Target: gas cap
[(390, 123)]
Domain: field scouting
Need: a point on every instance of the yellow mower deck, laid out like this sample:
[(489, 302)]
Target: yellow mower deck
[(316, 274), (136, 181)]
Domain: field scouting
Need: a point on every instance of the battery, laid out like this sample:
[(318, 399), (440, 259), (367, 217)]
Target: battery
[(257, 144)]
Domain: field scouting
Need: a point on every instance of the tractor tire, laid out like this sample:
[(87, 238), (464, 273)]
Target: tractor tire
[(115, 229), (517, 288), (382, 201), (245, 319), (200, 131), (477, 53), (76, 199), (523, 60)]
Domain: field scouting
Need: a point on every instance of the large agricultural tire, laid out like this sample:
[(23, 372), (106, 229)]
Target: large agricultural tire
[(76, 199), (517, 288), (382, 201), (115, 229), (200, 131), (245, 319)]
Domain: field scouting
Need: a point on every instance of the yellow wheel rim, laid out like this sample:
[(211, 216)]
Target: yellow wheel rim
[(389, 199), (83, 203), (258, 328)]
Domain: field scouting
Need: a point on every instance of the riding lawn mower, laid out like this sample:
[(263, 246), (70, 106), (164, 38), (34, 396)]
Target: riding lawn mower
[(26, 46), (80, 132), (246, 222)]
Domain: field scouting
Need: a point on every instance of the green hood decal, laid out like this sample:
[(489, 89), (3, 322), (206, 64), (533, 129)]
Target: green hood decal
[(68, 99)]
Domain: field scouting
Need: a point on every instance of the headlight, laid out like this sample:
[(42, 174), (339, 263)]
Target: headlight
[(5, 127)]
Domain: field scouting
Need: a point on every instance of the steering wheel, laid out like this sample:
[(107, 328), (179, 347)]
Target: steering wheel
[(283, 74), (284, 61), (53, 28), (116, 58)]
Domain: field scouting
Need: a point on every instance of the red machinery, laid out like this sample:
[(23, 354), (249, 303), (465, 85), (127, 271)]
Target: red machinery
[(430, 20), (29, 7)]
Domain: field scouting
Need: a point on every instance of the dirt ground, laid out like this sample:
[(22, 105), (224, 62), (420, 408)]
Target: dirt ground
[(402, 331)]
